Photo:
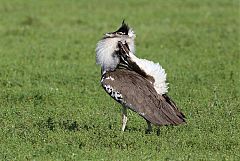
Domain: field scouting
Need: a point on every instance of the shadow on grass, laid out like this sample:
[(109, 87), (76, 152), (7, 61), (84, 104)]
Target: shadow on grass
[(73, 126), (69, 125)]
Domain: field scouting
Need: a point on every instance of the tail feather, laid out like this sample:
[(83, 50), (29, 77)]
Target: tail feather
[(174, 107)]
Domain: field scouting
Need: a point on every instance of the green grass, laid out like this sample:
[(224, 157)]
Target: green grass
[(52, 104)]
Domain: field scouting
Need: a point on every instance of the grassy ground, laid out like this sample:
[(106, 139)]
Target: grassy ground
[(52, 105)]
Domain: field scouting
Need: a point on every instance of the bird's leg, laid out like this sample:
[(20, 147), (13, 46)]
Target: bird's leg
[(149, 128), (158, 131), (124, 118)]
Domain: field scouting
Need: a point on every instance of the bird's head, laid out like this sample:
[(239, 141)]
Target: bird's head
[(106, 48), (123, 31)]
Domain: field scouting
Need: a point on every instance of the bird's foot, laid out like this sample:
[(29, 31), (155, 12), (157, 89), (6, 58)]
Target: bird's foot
[(158, 132), (149, 128), (147, 131)]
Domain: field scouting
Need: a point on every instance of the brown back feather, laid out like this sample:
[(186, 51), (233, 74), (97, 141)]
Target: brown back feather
[(140, 96)]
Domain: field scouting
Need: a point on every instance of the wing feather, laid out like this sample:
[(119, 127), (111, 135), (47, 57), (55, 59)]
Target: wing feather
[(139, 95)]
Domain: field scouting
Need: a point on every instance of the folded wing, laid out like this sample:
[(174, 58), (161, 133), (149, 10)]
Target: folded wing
[(136, 92)]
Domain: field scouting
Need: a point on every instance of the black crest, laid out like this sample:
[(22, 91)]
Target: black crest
[(124, 28)]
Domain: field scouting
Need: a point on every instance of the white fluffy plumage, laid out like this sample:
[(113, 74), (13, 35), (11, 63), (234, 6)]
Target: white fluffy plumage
[(155, 70), (106, 50)]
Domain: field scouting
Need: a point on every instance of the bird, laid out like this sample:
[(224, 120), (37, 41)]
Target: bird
[(137, 84)]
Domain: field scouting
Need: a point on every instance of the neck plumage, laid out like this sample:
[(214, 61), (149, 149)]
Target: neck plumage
[(106, 55)]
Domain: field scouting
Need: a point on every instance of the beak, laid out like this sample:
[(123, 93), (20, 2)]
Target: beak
[(110, 34)]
